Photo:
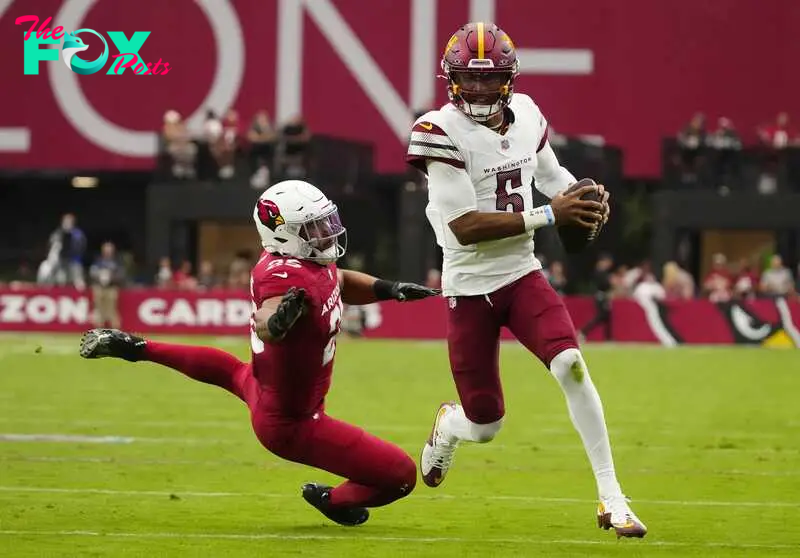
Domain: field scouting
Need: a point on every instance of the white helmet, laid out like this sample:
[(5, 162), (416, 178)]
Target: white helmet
[(294, 218)]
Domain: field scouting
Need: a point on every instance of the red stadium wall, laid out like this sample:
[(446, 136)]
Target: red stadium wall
[(630, 70), (762, 322)]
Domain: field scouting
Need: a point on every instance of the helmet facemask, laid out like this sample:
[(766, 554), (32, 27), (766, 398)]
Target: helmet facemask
[(323, 239), (481, 93)]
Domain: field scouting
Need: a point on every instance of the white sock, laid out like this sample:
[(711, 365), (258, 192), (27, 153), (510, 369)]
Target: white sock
[(586, 412), (456, 427)]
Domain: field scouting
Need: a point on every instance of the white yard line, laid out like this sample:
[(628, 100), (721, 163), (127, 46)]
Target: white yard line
[(48, 437), (66, 438), (273, 464), (527, 541), (537, 499), (233, 423)]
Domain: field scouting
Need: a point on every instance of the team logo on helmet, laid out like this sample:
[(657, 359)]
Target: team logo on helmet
[(453, 40), (269, 214)]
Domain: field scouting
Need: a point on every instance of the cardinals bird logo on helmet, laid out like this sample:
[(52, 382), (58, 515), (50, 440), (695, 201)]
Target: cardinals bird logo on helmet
[(269, 214)]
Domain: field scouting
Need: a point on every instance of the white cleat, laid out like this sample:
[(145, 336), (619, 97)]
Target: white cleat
[(614, 512), (437, 455)]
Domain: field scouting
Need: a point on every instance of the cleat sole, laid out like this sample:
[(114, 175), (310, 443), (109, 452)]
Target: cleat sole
[(88, 344)]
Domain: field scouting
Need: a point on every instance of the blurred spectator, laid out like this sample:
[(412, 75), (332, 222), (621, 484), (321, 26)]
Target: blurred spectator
[(183, 278), (107, 275), (23, 277), (296, 138), (648, 287), (557, 277), (619, 289), (64, 262), (692, 142), (206, 278), (262, 149), (779, 135), (212, 127), (775, 139), (797, 284), (718, 283), (178, 145), (164, 274), (746, 281), (727, 144), (602, 298), (777, 278), (239, 272), (635, 275), (355, 319), (228, 144), (677, 282), (212, 140)]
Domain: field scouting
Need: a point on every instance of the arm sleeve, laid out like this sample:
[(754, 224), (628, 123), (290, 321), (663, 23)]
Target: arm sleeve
[(450, 190), (428, 142), (550, 177)]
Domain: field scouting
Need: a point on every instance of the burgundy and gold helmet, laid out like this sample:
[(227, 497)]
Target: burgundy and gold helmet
[(480, 64)]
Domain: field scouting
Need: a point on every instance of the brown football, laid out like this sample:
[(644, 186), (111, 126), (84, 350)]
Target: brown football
[(574, 237)]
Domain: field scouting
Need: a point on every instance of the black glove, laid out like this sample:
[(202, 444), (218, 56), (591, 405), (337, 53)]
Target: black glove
[(287, 313), (412, 291), (393, 290)]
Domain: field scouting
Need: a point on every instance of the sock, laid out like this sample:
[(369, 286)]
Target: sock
[(204, 364), (351, 493), (586, 412), (456, 427)]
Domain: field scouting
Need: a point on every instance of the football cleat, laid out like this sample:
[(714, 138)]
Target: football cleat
[(99, 343), (319, 496), (437, 455), (614, 512)]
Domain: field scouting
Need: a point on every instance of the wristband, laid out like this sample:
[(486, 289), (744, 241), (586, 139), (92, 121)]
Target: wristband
[(541, 216), (383, 289)]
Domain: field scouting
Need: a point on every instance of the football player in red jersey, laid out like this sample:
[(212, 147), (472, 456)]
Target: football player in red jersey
[(483, 153), (297, 294)]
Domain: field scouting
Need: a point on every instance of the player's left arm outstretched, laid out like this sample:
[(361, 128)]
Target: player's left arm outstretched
[(360, 288)]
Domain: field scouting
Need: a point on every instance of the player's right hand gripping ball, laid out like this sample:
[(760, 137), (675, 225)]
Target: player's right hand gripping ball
[(574, 237)]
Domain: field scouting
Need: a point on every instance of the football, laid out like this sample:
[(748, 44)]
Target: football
[(574, 237)]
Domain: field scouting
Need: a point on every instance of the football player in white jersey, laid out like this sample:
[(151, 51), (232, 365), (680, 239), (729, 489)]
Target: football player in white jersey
[(482, 153)]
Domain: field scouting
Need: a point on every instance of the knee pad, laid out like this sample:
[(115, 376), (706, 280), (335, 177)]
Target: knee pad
[(568, 365), (483, 433)]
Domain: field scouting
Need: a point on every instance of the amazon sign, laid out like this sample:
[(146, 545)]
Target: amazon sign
[(767, 323)]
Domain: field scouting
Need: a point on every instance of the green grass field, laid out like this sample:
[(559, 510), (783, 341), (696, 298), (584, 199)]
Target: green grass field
[(705, 440)]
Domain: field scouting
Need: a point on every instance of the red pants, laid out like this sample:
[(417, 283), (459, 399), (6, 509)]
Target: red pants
[(378, 472), (531, 310)]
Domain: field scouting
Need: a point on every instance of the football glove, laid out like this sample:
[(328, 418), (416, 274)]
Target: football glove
[(287, 313), (412, 291)]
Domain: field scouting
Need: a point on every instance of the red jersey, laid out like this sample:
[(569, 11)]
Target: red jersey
[(295, 373)]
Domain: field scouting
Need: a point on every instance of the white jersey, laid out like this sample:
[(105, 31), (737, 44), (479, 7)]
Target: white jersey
[(471, 167)]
